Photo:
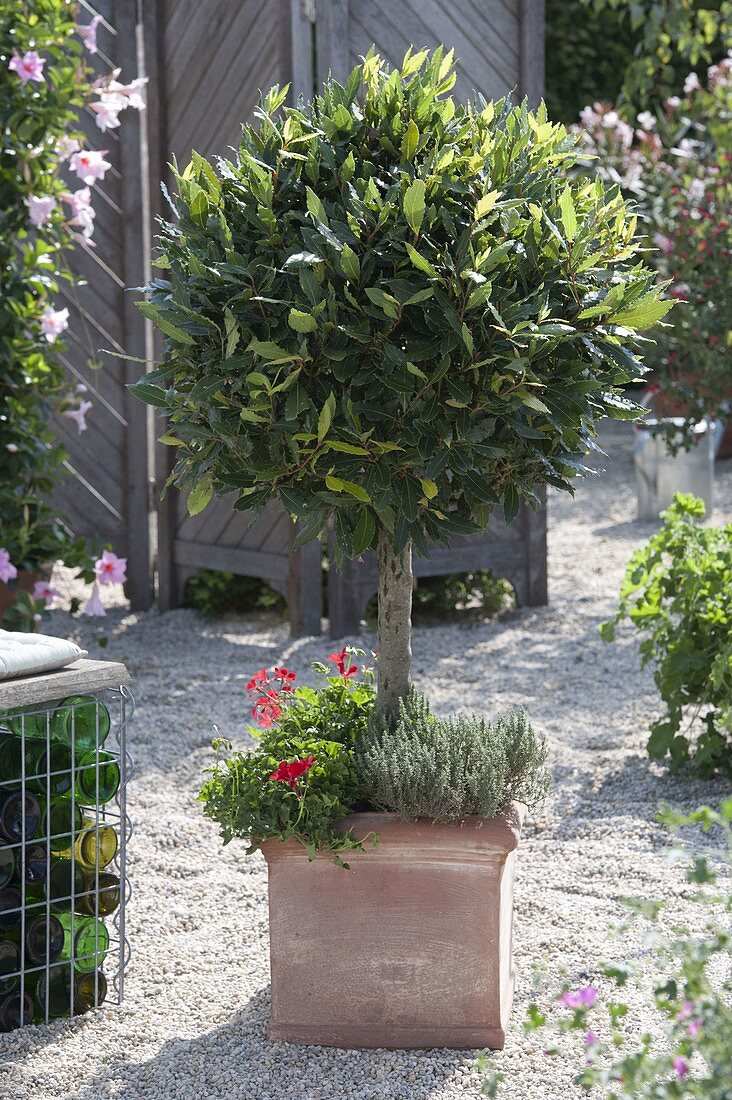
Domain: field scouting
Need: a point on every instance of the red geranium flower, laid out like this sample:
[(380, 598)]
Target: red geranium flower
[(340, 659), (257, 682), (290, 772), (285, 677), (266, 709)]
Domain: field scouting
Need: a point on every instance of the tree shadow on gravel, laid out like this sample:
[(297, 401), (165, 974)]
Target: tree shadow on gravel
[(236, 1061)]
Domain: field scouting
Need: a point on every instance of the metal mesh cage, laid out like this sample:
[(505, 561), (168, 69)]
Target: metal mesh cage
[(63, 836)]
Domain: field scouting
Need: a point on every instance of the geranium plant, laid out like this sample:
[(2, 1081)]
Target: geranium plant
[(691, 995), (47, 178), (299, 781), (676, 593), (676, 166), (393, 312)]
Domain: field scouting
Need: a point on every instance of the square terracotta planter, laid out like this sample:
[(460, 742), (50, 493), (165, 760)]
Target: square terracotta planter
[(411, 947)]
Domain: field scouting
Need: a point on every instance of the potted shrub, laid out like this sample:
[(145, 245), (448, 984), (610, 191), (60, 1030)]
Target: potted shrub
[(393, 312)]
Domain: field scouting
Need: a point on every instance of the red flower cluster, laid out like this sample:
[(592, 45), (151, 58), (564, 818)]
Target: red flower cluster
[(290, 772), (266, 708), (341, 659)]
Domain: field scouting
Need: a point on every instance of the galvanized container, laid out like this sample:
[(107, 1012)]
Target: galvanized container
[(660, 473)]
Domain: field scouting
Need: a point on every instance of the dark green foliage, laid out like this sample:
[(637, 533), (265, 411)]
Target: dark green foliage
[(458, 595), (678, 592), (217, 593), (418, 765), (321, 722), (587, 53), (393, 311), (32, 377)]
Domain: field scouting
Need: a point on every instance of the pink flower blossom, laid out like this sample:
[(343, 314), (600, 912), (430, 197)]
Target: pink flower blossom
[(694, 1029), (43, 591), (583, 998), (680, 291), (40, 208), (665, 244), (134, 92), (81, 388), (591, 1040), (82, 213), (28, 67), (107, 110), (8, 572), (90, 165), (94, 605), (681, 1066), (78, 415), (110, 569), (88, 33), (66, 147), (646, 120), (54, 322), (673, 102)]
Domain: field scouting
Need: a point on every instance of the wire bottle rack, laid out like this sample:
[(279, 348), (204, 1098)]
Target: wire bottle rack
[(64, 828)]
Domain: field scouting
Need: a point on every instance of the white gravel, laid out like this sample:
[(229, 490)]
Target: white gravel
[(193, 1023)]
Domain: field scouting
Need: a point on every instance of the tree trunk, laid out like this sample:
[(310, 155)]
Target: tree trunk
[(395, 624)]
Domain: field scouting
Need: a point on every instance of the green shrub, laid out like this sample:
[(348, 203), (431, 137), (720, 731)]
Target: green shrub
[(254, 794), (678, 592), (418, 765), (216, 593), (476, 595)]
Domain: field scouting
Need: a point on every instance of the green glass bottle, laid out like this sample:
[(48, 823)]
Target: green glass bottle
[(7, 865), (11, 760), (31, 723), (49, 770), (12, 825), (81, 720), (16, 1011), (10, 903), (9, 966), (97, 778), (94, 846), (44, 939), (62, 819), (66, 878), (102, 898), (87, 946)]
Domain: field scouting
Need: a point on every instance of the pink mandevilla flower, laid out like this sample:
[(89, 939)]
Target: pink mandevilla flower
[(583, 998), (28, 67), (66, 147), (107, 110), (88, 33), (40, 208), (134, 92), (43, 591), (78, 415), (54, 322), (90, 165), (591, 1039), (94, 605), (82, 213), (681, 1066), (8, 572), (110, 569)]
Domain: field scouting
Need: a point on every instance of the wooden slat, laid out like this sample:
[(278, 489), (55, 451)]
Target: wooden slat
[(81, 677)]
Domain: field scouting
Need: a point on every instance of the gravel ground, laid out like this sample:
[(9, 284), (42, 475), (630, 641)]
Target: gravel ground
[(194, 1019)]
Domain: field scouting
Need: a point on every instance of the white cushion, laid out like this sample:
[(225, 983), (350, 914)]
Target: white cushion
[(26, 654)]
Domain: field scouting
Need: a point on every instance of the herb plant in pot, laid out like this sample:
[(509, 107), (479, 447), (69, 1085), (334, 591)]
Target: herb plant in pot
[(393, 312)]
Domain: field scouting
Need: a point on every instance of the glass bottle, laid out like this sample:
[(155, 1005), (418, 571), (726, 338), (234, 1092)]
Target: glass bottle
[(61, 820), (7, 865), (30, 723), (66, 879), (11, 760), (84, 717), (87, 946), (97, 778), (44, 939), (10, 903), (16, 1011), (95, 845), (102, 898), (56, 992), (11, 816), (34, 866), (49, 770), (9, 966), (90, 990)]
